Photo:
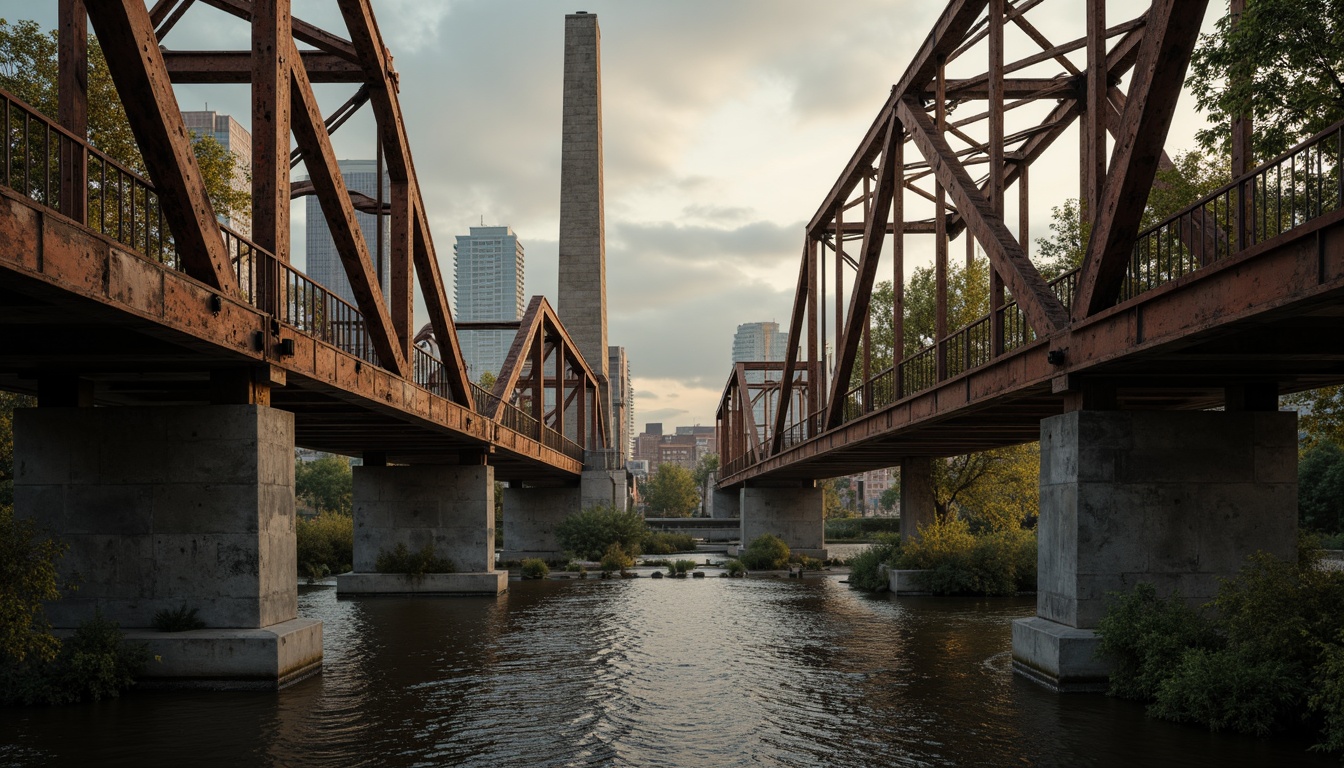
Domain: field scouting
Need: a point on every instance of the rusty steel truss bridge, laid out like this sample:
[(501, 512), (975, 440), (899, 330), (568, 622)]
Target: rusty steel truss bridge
[(118, 288), (1228, 303)]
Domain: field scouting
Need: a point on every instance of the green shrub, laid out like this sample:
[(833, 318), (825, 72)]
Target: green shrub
[(180, 619), (535, 568), (1333, 541), (94, 663), (413, 564), (735, 568), (1327, 695), (685, 566), (806, 563), (589, 534), (961, 563), (1144, 638), (766, 553), (1229, 689), (27, 578), (616, 559), (859, 528), (326, 544), (667, 543), (865, 568)]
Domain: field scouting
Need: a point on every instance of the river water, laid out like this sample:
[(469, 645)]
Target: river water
[(641, 672)]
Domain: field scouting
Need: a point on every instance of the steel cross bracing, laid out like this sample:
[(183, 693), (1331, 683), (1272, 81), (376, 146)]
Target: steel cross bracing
[(213, 315), (951, 146)]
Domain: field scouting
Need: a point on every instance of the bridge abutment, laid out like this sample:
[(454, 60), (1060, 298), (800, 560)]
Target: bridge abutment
[(171, 507), (449, 509), (1174, 499), (727, 504), (918, 506), (794, 514)]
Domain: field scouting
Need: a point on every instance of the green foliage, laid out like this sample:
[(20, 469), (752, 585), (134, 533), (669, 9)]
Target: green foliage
[(8, 402), (667, 543), (1228, 689), (535, 568), (1144, 637), (487, 380), (1327, 696), (684, 566), (414, 564), (326, 544), (1320, 415), (735, 568), (588, 534), (94, 663), (1320, 488), (831, 508), (997, 562), (766, 553), (616, 559), (180, 619), (890, 499), (1282, 64), (860, 528), (326, 484), (671, 492), (705, 469), (27, 577), (865, 568)]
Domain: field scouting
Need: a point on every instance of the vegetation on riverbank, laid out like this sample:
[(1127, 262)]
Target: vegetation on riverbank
[(325, 544), (1267, 655), (860, 529), (765, 553), (956, 561)]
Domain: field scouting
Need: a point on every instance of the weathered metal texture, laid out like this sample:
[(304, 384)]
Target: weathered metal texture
[(986, 384), (137, 69)]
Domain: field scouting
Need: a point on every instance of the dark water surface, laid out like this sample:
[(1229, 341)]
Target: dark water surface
[(691, 673)]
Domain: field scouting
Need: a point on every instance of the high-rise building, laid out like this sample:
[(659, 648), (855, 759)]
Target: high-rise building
[(759, 342), (324, 263), (487, 285), (622, 402), (236, 139)]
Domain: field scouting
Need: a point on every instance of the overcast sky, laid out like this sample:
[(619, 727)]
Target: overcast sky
[(725, 121)]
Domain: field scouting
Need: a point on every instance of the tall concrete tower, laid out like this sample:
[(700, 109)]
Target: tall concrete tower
[(582, 303)]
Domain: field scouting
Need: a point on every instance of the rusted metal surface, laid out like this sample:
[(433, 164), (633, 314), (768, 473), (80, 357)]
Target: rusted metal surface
[(1191, 291)]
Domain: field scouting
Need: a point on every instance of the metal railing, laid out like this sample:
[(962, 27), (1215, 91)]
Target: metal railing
[(40, 158)]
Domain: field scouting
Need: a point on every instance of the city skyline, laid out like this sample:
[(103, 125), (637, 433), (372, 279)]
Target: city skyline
[(488, 284)]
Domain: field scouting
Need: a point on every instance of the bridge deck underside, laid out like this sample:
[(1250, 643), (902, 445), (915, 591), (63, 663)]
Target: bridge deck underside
[(68, 312), (1273, 315)]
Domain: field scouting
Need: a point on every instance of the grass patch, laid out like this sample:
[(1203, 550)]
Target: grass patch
[(413, 564), (180, 619), (667, 543)]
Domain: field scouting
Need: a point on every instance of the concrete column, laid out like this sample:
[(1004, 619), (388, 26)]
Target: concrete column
[(792, 514), (446, 507), (918, 506), (604, 488), (1174, 499), (530, 518), (727, 505), (169, 507)]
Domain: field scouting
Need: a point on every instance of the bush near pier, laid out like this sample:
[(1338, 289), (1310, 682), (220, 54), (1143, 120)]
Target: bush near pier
[(1267, 655), (957, 561)]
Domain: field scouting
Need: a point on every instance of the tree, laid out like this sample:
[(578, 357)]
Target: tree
[(29, 70), (8, 402), (487, 381), (672, 491), (327, 484), (890, 499), (830, 501), (995, 490), (27, 578), (705, 470), (1282, 64), (1320, 415), (1320, 482)]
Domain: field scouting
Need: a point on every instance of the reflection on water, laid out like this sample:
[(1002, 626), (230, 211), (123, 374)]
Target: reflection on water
[(641, 672)]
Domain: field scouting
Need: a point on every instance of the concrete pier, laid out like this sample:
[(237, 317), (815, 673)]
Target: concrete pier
[(449, 508), (169, 507), (1174, 499), (727, 505), (918, 507), (794, 514), (530, 518)]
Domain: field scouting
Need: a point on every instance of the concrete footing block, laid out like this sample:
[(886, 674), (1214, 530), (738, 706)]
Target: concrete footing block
[(483, 583), (268, 658), (1059, 657), (907, 582)]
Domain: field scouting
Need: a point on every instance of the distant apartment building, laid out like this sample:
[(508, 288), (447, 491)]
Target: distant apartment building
[(323, 262), (622, 402), (684, 448), (487, 285), (236, 139), (757, 342)]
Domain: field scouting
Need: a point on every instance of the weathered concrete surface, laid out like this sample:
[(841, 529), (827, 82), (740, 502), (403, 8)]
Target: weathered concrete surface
[(603, 488), (792, 514), (1058, 657), (906, 582), (1174, 499), (726, 505), (233, 659), (449, 508), (482, 583), (164, 507), (530, 518), (917, 500)]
